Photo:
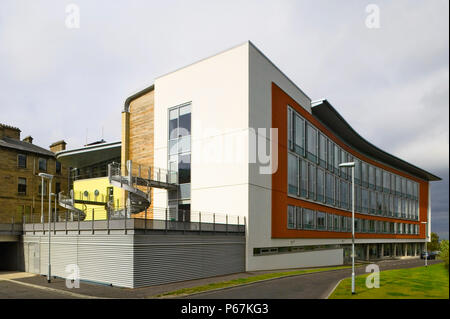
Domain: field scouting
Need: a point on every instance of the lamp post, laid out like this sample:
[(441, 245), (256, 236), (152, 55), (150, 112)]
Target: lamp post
[(50, 178), (352, 165), (426, 240)]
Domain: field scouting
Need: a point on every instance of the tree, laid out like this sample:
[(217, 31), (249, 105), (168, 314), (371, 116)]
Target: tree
[(434, 244), (444, 252)]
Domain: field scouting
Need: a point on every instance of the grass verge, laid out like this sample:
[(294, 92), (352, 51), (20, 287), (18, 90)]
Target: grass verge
[(430, 282), (242, 281)]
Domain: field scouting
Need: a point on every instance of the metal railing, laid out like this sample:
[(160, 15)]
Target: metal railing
[(141, 173), (151, 219)]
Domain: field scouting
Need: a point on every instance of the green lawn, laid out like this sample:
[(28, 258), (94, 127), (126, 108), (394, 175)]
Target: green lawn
[(240, 281), (415, 283)]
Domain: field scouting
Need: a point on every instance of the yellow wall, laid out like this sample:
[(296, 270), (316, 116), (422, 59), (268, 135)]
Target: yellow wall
[(90, 185)]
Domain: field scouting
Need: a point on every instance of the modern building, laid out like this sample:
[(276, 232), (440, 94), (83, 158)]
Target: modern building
[(211, 122), (90, 188), (228, 166), (20, 187)]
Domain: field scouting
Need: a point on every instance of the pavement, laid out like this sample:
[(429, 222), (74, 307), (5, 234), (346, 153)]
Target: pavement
[(20, 285)]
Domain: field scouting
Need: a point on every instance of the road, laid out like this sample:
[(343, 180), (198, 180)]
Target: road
[(14, 290), (309, 286)]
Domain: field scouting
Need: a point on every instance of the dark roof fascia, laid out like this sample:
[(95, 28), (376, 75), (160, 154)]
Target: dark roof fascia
[(369, 148), (126, 107)]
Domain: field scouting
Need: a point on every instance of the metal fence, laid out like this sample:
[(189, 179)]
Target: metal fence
[(160, 219)]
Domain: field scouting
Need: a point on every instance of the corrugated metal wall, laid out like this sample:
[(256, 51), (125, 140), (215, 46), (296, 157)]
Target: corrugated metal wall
[(137, 260), (162, 259)]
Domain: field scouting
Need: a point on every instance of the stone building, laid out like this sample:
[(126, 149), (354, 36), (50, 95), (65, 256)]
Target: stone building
[(20, 185)]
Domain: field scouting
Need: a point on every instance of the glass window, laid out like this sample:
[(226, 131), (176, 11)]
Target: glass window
[(371, 176), (21, 161), (416, 191), (311, 181), (365, 200), (173, 124), (391, 205), (337, 158), (344, 160), (379, 203), (342, 222), (298, 217), (311, 134), (291, 217), (385, 204), (386, 182), (403, 187), (357, 171), (42, 164), (329, 189), (184, 168), (292, 174), (330, 155), (40, 187), (58, 167), (373, 202), (409, 188), (403, 208), (308, 219), (22, 186), (330, 222), (378, 179), (398, 185), (358, 198), (344, 194), (303, 178), (322, 150), (321, 220), (364, 174), (336, 223), (299, 135), (184, 127), (320, 185)]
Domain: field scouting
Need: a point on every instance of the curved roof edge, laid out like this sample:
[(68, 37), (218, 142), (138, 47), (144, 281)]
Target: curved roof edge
[(126, 107), (328, 115)]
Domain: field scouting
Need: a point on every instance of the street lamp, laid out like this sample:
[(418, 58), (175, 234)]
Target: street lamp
[(426, 239), (352, 165), (50, 178)]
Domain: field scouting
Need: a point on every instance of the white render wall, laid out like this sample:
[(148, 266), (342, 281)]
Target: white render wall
[(218, 89)]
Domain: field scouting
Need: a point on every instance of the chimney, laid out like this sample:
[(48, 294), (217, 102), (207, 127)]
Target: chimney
[(28, 139), (9, 131), (58, 146)]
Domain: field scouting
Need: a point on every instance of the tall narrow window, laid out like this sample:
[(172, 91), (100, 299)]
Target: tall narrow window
[(373, 202), (398, 185), (42, 164), (322, 150), (365, 200), (312, 181), (344, 194), (298, 217), (386, 182), (299, 135), (379, 203), (293, 174), (357, 171), (364, 174), (337, 158), (58, 167), (303, 178), (320, 185), (290, 129), (22, 186), (330, 155), (21, 161), (291, 217), (378, 179), (371, 177), (329, 189), (311, 135), (344, 160)]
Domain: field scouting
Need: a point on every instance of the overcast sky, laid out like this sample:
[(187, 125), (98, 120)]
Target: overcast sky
[(390, 83)]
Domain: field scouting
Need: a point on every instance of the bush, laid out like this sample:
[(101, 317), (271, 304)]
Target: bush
[(444, 252)]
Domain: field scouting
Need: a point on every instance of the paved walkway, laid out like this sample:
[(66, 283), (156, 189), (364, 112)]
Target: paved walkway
[(316, 285)]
